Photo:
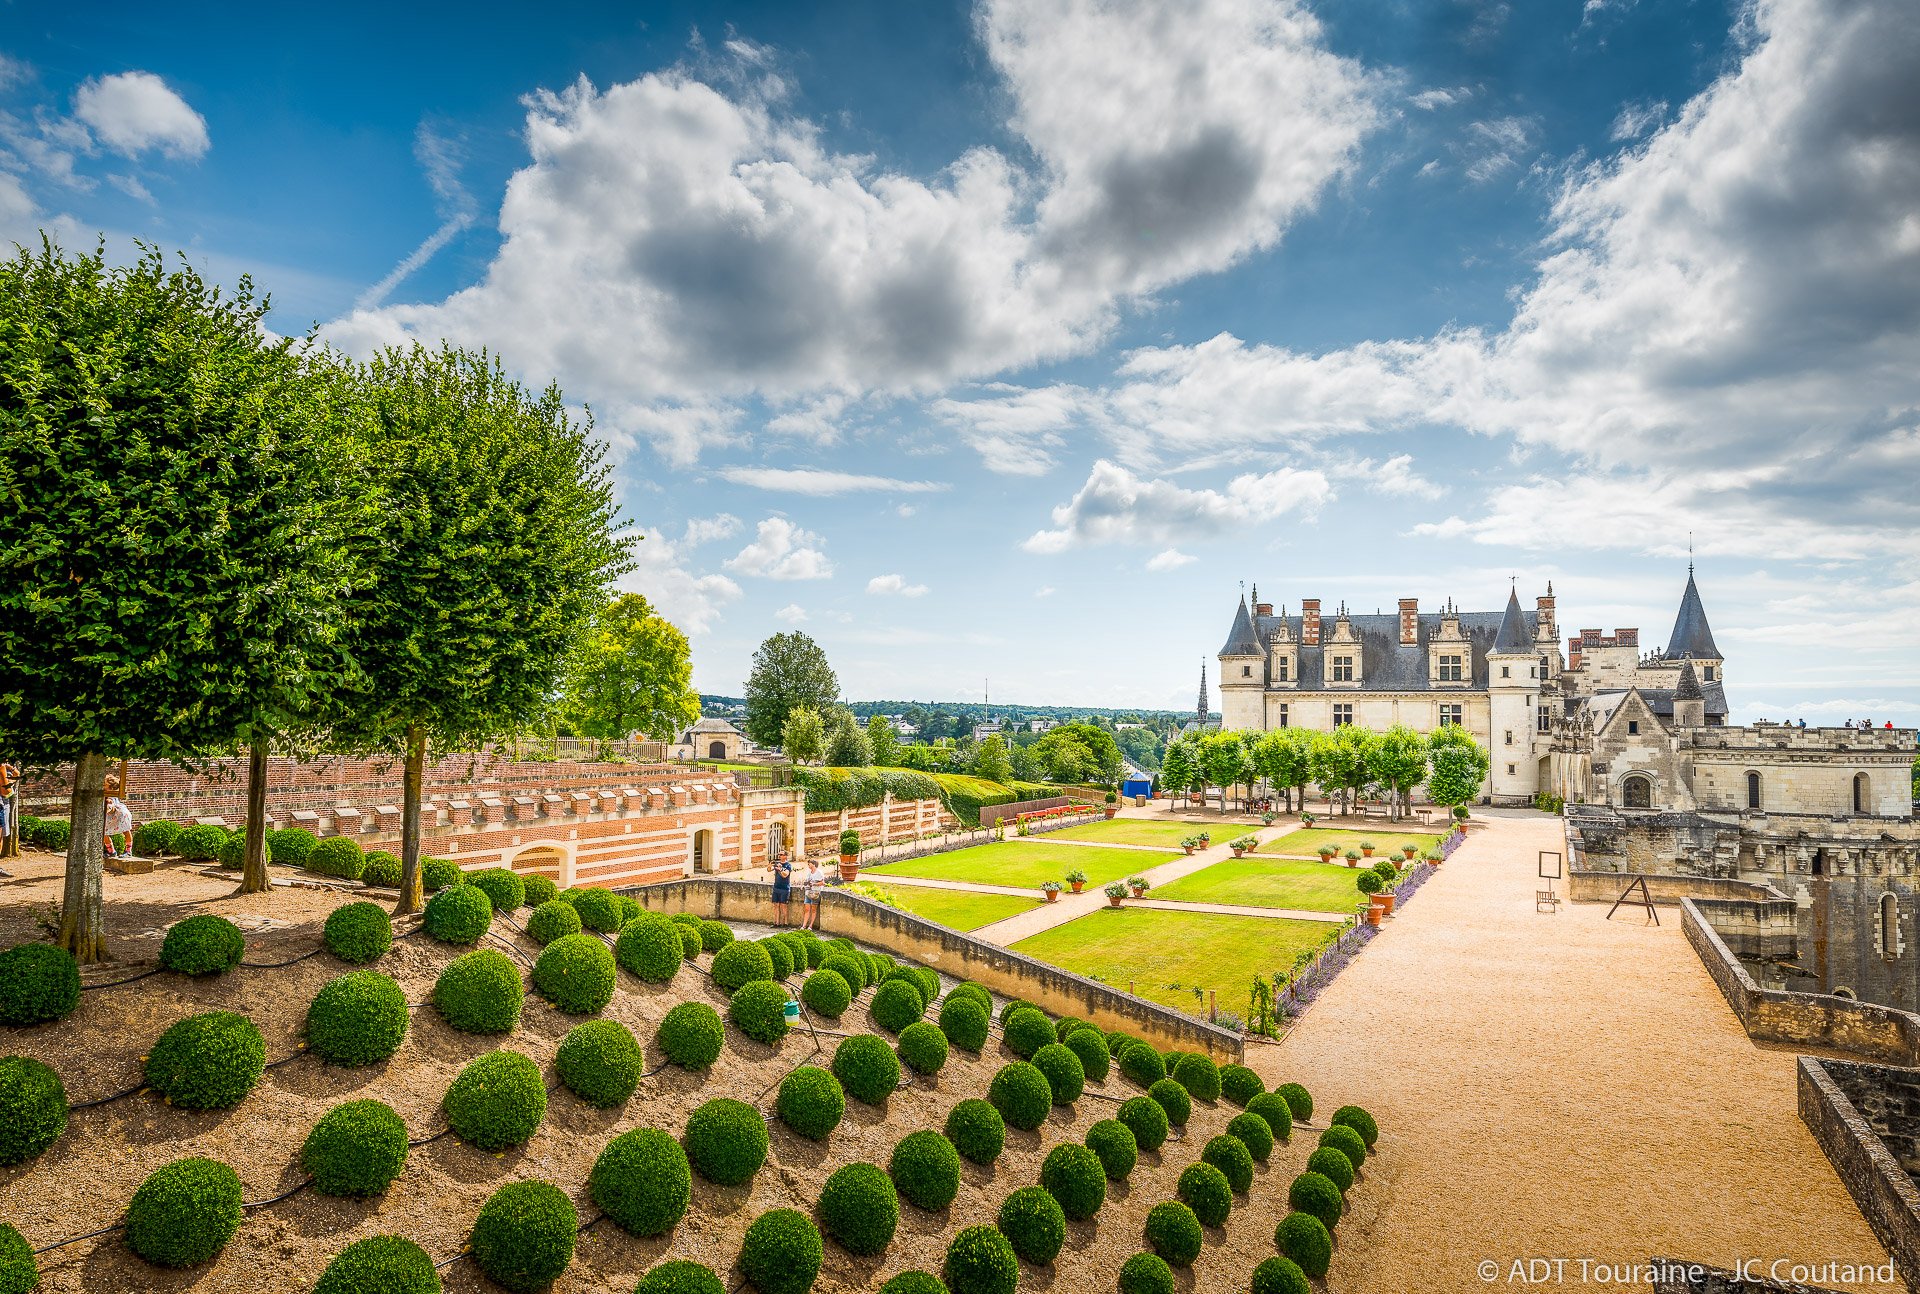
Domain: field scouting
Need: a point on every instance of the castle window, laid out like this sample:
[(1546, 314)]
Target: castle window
[(1753, 790), (1889, 926), (1637, 792), (1343, 669), (1862, 793), (1246, 671), (1506, 671), (1509, 736), (1450, 716), (1543, 667), (1543, 720), (1280, 668), (1283, 716), (1709, 671), (1509, 770), (1450, 669), (1633, 727), (1342, 715)]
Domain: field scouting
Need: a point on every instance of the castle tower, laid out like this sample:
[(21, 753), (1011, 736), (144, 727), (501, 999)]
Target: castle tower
[(1692, 637), (1513, 687), (1689, 703), (1243, 674)]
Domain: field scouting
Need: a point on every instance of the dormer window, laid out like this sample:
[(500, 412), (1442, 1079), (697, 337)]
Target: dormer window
[(1450, 669), (1343, 669), (1506, 671), (1246, 671), (1280, 668), (1633, 727), (1709, 672)]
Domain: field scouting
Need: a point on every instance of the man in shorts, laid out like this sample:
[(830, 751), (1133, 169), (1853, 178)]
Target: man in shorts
[(9, 776)]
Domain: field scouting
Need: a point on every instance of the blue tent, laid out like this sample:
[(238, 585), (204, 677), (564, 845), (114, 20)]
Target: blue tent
[(1137, 786)]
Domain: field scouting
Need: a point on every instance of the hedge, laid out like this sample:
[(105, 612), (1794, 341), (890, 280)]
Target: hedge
[(380, 1265), (830, 790), (811, 1102), (642, 1181), (827, 992), (726, 1141), (759, 1010), (1075, 1176), (926, 1169), (740, 963), (648, 948), (358, 1019), (781, 1253), (600, 1062), (922, 1048), (38, 983), (1305, 1239), (480, 992), (184, 1213), (33, 1108), (503, 888), (358, 932), (496, 1101), (524, 1235), (1230, 1155), (1145, 1119), (1332, 1165), (1033, 1223), (556, 920), (357, 1149), (981, 1261), (1173, 1232), (867, 1068), (1022, 1095), (575, 973), (860, 1209), (339, 856), (681, 1276), (976, 1130), (1064, 1075), (1117, 1149), (1317, 1194), (207, 1062)]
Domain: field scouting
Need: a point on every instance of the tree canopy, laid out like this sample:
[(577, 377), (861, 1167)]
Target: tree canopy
[(790, 672), (1078, 752), (633, 673), (804, 737), (847, 744)]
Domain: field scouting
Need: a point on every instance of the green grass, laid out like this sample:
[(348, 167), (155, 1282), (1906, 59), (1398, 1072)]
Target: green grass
[(1306, 842), (1155, 949), (955, 909), (1256, 882), (1130, 831), (1022, 863)]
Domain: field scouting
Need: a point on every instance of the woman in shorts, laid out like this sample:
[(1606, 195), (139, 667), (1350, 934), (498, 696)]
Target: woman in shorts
[(810, 896), (782, 891)]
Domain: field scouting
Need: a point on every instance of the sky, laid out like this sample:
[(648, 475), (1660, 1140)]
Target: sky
[(998, 346)]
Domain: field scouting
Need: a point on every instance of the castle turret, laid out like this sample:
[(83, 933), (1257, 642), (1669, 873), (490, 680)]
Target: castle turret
[(1692, 637), (1689, 702), (1243, 674), (1513, 687)]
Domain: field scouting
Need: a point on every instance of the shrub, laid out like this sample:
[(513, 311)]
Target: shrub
[(1118, 1041), (826, 992), (648, 946), (184, 1213), (1240, 1084), (929, 981), (202, 945), (715, 935), (642, 1181), (380, 1265), (497, 1101), (867, 1068), (629, 907), (1064, 1075), (524, 1235), (556, 920), (782, 1253), (780, 955), (1033, 1223), (339, 856), (233, 850), (691, 1035), (1146, 1273), (382, 869), (681, 1276), (1174, 1100), (795, 945), (814, 948), (980, 1261), (599, 909), (811, 1102), (33, 1109), (538, 890), (1280, 1276), (926, 1168), (19, 1273), (201, 842), (357, 1148), (358, 932), (575, 973), (686, 919), (1090, 1047), (1254, 1134), (1205, 1189), (759, 1010), (1305, 1239), (976, 1130), (1022, 1095), (152, 839), (742, 962), (1230, 1155), (38, 982), (923, 1048), (1332, 1165), (1199, 1075), (459, 915), (1347, 1142), (358, 1019), (1273, 1107), (964, 1021), (207, 1062), (438, 874), (726, 1141), (1297, 1100), (480, 992), (897, 1004), (600, 1062), (1117, 1149), (1074, 1175), (967, 988), (847, 968), (1173, 1232), (1026, 1031), (1145, 1119), (1353, 1116), (1316, 1193), (503, 888), (690, 945), (915, 1282), (860, 1209), (1142, 1064), (1367, 882)]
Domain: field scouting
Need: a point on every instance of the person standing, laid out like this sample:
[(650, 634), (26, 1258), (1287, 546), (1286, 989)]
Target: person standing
[(810, 896), (119, 819), (782, 890), (9, 778)]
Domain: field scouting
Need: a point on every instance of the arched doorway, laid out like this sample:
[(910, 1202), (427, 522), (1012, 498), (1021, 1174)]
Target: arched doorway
[(1637, 792), (550, 861), (717, 750), (703, 852), (776, 840), (1862, 793)]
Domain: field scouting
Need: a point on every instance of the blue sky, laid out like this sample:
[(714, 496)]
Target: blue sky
[(1006, 340)]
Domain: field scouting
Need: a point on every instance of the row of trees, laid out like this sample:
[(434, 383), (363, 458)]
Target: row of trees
[(1342, 764)]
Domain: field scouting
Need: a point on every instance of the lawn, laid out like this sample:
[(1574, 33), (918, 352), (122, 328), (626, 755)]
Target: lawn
[(1307, 841), (1165, 955), (955, 909), (1130, 831), (1257, 882), (1022, 863)]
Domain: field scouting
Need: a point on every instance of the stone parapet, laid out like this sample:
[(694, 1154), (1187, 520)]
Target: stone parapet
[(1858, 1146)]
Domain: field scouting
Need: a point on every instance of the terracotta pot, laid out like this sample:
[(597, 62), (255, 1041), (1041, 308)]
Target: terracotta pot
[(1111, 810), (1326, 858), (1385, 900), (1409, 850), (1138, 890), (849, 867), (1366, 851), (1077, 885), (1373, 914), (1114, 902), (1052, 895), (1188, 848), (1238, 852), (1353, 862)]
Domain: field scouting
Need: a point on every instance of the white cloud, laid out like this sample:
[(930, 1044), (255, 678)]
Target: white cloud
[(1396, 476), (791, 614), (128, 185), (782, 551), (440, 157), (1045, 591), (133, 112), (1636, 119), (690, 601), (1170, 559), (816, 482), (1492, 148), (704, 530), (1428, 100), (895, 586), (17, 209), (1115, 506)]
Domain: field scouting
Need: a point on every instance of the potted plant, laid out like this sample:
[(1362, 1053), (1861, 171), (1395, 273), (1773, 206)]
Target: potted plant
[(1353, 859), (849, 854), (1384, 899), (1373, 915), (1368, 883), (1269, 817), (1307, 819), (1113, 804), (1051, 889), (1190, 843), (1434, 857), (1245, 845), (1366, 848), (1206, 838), (1115, 891), (1077, 879), (1327, 852), (1409, 851), (1138, 884)]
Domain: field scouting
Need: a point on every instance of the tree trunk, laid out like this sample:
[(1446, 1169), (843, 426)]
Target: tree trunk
[(253, 870), (411, 892), (83, 927)]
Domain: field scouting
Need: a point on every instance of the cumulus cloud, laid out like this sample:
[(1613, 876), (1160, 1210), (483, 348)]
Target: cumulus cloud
[(1636, 119), (782, 551), (136, 112), (1115, 506), (691, 601), (705, 530), (791, 614), (1170, 559), (895, 586), (1396, 476), (817, 482)]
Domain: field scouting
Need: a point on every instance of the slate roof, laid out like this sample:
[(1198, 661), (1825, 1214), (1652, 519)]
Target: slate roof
[(1385, 665), (1658, 699), (711, 724), (1688, 686), (1516, 635), (1692, 636), (1241, 639)]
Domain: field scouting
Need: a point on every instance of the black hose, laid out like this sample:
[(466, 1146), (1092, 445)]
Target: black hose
[(284, 1195), (289, 962), (116, 983), (74, 1240), (428, 1141), (88, 1105), (297, 1053)]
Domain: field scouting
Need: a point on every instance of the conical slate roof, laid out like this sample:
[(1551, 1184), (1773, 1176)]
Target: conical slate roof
[(1242, 640), (1691, 634), (1514, 639), (1688, 688)]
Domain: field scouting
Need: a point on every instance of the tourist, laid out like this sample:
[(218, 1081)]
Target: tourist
[(119, 819), (9, 775), (782, 890), (810, 896)]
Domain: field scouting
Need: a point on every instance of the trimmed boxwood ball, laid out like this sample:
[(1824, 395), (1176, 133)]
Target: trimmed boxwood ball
[(915, 1282), (642, 1182), (715, 935), (929, 981), (811, 1102), (289, 845), (233, 851), (826, 991), (458, 915), (19, 1273), (1145, 1119), (207, 1062), (922, 1048), (33, 1108), (795, 945), (1199, 1075), (1114, 1144), (1118, 1040), (438, 874), (524, 1235), (1347, 1142), (1305, 1239), (867, 1068), (1353, 1116), (557, 920), (201, 842), (1317, 1194), (1022, 1095), (690, 945), (1026, 1031), (38, 982), (964, 1021), (1280, 1276), (1066, 1024), (1013, 1006), (816, 949), (926, 1169), (1230, 1155), (383, 869), (1075, 1176), (1090, 1046), (202, 945), (356, 1149), (629, 908), (1033, 1223), (538, 889), (1298, 1100), (504, 888), (980, 1261), (897, 1004), (779, 955), (1142, 1064), (781, 1253), (358, 932), (1146, 1273), (847, 968), (575, 973), (358, 1019), (1173, 1232), (741, 962), (1174, 1100), (1240, 1084), (480, 992), (1273, 1108), (380, 1265), (976, 1130), (339, 856), (599, 909), (1254, 1134), (687, 919), (648, 947), (1064, 1075), (185, 1213), (691, 1035), (1333, 1165), (860, 1209), (497, 1101), (681, 1276), (1205, 1189), (759, 1010), (726, 1141), (600, 1062), (967, 988)]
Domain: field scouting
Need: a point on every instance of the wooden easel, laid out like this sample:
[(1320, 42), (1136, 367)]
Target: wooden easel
[(1645, 900)]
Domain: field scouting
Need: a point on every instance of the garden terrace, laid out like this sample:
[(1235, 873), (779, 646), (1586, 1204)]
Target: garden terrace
[(1308, 840), (961, 910), (1022, 864), (1129, 831), (1261, 882)]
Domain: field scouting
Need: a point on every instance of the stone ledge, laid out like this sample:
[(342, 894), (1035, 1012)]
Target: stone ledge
[(1886, 1195)]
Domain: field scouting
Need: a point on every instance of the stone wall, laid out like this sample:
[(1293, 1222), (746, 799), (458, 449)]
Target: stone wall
[(1672, 1276), (1857, 1146), (1605, 887)]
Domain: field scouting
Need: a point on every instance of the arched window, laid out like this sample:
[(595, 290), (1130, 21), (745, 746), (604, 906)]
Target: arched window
[(1637, 792), (717, 750), (1889, 926), (1753, 790), (1862, 793)]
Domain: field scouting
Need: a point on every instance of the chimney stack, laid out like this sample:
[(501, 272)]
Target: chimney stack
[(1310, 622), (1409, 622), (1544, 606), (1263, 608)]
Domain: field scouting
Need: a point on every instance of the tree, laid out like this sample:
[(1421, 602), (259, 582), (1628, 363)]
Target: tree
[(1335, 764), (789, 672), (175, 546), (882, 741), (804, 737), (495, 547), (1024, 767), (1459, 766), (632, 673), (847, 745), (1223, 758), (1078, 752), (1180, 768), (1280, 757), (1397, 760), (990, 761)]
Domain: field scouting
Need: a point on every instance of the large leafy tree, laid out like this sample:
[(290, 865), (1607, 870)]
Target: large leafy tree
[(496, 546), (804, 736), (1459, 765), (1180, 768), (847, 745), (1281, 757), (790, 672), (633, 673), (173, 550), (991, 761), (1079, 752), (1224, 760), (882, 741), (1397, 760)]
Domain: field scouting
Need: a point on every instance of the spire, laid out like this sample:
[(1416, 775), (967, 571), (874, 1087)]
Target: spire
[(1201, 710), (1513, 638), (1241, 639), (1691, 634), (1688, 688)]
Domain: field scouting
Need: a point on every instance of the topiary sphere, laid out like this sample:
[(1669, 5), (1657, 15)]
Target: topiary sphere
[(1333, 1165), (1240, 1084), (827, 992), (438, 874), (1317, 1194), (1026, 1031), (648, 947), (599, 909), (779, 955), (1230, 1155), (207, 1062), (358, 1019), (33, 1109), (185, 1213), (575, 973), (503, 888), (1273, 1108), (981, 1261), (1254, 1134), (726, 1141), (289, 845), (1066, 1024), (681, 1276), (1347, 1142), (897, 1004), (1087, 1043), (1173, 1232), (967, 988), (690, 945), (976, 1130), (1174, 1100), (1146, 1273), (691, 1035), (202, 945), (629, 908), (497, 1101), (964, 1021), (557, 920), (926, 1169), (923, 1048), (1010, 1007), (383, 869), (1075, 1176), (458, 915), (600, 1062), (1353, 1116), (524, 1235), (358, 932), (795, 945), (1280, 1276), (850, 969), (687, 919), (339, 856), (1142, 1064), (233, 850), (1305, 1239), (867, 1068), (781, 1253), (1199, 1075), (642, 1182), (380, 1265), (1114, 1144), (538, 889), (1022, 1095), (1145, 1119), (759, 1010), (915, 1282), (480, 992), (1297, 1100), (1033, 1223), (38, 982), (1118, 1040), (356, 1149), (199, 842), (815, 946), (742, 962), (715, 935), (811, 1102), (1205, 1189), (929, 981), (1064, 1075), (860, 1209)]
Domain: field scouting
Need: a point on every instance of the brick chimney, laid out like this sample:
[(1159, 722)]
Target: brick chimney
[(1263, 608), (1409, 622), (1310, 622), (1544, 606)]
